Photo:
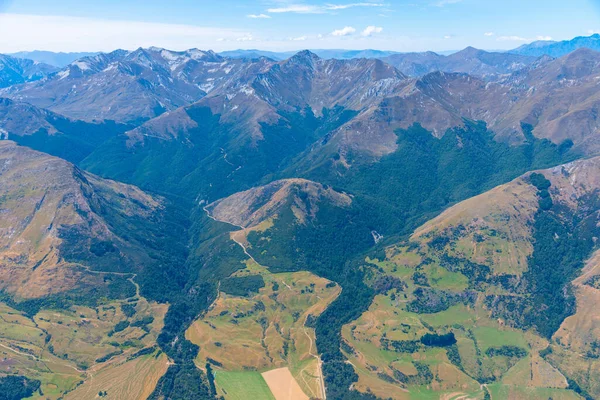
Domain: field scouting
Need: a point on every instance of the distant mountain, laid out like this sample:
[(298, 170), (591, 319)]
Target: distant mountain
[(350, 54), (18, 70), (305, 112), (127, 86), (470, 60), (249, 54), (48, 57), (323, 53), (256, 121), (558, 49), (538, 96)]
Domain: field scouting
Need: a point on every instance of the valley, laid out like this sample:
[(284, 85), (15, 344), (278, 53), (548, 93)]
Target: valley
[(193, 225)]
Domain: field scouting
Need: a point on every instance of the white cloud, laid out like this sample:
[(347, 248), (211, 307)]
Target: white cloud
[(351, 5), (369, 30), (489, 34), (62, 33), (300, 9), (314, 9), (442, 3), (512, 39), (299, 38), (345, 31), (246, 38), (258, 16), (593, 31), (448, 37), (522, 39)]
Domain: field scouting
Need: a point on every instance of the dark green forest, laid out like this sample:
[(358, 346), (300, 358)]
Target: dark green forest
[(13, 387)]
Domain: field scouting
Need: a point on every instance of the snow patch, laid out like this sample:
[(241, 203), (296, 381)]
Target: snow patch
[(247, 90), (207, 87), (196, 54), (64, 74), (81, 65), (110, 67)]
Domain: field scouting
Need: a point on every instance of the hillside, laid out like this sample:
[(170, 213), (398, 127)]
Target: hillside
[(488, 297), (57, 228), (75, 274), (46, 131)]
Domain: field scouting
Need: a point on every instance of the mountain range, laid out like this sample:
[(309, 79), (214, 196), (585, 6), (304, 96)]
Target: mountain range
[(339, 54), (153, 81), (181, 225), (534, 49), (558, 49)]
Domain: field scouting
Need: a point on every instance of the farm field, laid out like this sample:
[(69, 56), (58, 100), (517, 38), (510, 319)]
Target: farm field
[(133, 379), (267, 329), (425, 298), (80, 349), (282, 384), (242, 385)]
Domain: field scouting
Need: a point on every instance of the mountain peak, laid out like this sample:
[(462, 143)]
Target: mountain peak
[(304, 57), (469, 51), (253, 206)]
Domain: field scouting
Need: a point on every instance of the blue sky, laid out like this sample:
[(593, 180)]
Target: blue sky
[(401, 25)]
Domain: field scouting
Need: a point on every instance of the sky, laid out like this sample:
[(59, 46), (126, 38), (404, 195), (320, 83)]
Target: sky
[(285, 25)]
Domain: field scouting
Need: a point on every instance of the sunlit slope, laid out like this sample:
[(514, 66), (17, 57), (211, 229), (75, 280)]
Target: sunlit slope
[(489, 298)]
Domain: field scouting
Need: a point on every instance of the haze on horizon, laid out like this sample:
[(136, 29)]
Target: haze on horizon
[(288, 25)]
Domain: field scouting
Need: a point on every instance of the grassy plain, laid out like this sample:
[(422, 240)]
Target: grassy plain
[(242, 385)]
